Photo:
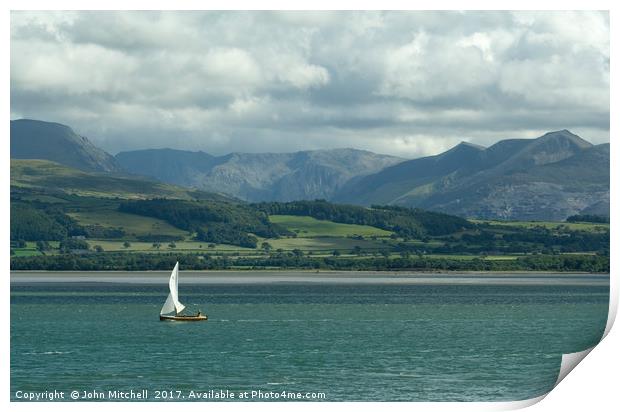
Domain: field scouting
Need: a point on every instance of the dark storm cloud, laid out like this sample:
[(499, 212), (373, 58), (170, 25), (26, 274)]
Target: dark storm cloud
[(406, 83)]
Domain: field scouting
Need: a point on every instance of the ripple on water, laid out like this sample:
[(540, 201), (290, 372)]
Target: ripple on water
[(423, 343)]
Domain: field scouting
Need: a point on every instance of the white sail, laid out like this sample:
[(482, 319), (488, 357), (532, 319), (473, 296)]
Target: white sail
[(172, 302), (168, 307)]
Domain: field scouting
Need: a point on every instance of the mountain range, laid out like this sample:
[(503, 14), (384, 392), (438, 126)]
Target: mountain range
[(548, 178), (255, 177)]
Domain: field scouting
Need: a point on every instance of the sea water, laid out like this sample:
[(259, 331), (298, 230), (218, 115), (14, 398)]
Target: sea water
[(433, 338)]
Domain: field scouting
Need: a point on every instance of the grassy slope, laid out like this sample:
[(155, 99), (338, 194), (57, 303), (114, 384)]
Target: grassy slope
[(306, 226), (134, 225), (45, 174), (323, 235)]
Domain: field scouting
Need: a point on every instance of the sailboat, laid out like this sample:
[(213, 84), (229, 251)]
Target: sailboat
[(172, 309)]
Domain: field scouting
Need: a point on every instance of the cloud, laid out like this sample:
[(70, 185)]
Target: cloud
[(405, 83), (431, 67)]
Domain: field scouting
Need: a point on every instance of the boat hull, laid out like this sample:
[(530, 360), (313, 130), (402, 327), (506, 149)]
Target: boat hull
[(184, 318)]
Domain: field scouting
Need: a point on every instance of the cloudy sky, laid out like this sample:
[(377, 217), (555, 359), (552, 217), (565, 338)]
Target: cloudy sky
[(403, 83)]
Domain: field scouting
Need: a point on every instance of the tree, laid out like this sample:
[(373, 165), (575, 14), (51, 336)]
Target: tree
[(588, 218), (336, 253), (266, 246), (126, 244), (69, 244), (298, 253), (98, 248), (172, 245), (32, 224), (156, 245), (43, 245)]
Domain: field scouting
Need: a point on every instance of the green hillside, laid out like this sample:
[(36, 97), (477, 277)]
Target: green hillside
[(306, 226), (133, 225), (48, 176), (59, 231)]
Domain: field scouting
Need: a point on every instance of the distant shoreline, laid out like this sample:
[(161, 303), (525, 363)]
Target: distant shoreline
[(293, 272), (309, 271), (326, 277)]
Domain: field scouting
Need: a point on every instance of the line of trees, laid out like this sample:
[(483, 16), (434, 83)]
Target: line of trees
[(588, 218), (164, 261)]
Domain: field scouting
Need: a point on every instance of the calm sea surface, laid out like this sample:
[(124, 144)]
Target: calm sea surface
[(383, 338)]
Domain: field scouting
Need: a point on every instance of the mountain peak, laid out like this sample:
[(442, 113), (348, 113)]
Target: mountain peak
[(563, 132), (461, 149), (464, 143), (567, 136)]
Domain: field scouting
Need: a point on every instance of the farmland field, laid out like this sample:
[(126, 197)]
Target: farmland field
[(470, 257), (575, 226), (306, 226), (325, 243), (181, 246), (134, 225)]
